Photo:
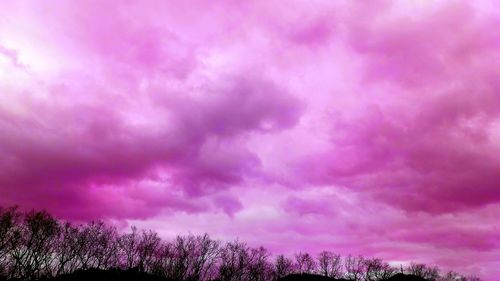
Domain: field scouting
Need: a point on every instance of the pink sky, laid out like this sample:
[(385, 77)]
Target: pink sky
[(364, 127)]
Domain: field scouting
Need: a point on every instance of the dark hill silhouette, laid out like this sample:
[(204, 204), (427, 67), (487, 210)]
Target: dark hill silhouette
[(107, 275), (405, 277), (136, 275), (315, 277), (308, 277)]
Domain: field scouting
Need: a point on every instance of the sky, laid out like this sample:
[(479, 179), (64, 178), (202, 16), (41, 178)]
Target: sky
[(363, 127)]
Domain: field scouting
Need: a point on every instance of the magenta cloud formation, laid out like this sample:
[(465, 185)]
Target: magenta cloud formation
[(364, 127)]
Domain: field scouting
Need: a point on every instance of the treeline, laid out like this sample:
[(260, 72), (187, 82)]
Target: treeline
[(34, 245)]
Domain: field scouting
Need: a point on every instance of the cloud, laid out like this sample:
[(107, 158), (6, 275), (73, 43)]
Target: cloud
[(370, 128), (428, 141), (117, 112)]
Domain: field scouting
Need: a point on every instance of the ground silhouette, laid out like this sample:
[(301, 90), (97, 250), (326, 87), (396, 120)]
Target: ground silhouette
[(136, 275), (308, 277), (107, 275), (405, 277), (316, 277)]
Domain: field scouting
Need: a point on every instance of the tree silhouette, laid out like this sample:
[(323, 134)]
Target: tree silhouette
[(128, 245), (35, 242), (283, 266), (376, 269), (305, 263), (148, 246), (35, 246), (67, 249), (259, 269), (8, 220), (233, 261), (330, 264), (422, 270), (354, 267)]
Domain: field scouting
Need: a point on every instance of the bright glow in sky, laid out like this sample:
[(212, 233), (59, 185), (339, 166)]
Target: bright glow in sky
[(364, 127)]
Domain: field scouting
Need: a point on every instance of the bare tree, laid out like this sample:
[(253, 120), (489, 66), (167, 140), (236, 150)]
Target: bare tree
[(105, 251), (376, 270), (147, 249), (259, 269), (128, 245), (451, 276), (424, 271), (187, 258), (183, 247), (354, 267), (34, 245), (163, 265), (233, 262), (9, 219), (305, 263), (454, 276), (417, 269), (330, 264), (472, 278), (66, 250), (97, 246), (283, 266), (33, 254), (431, 273), (205, 255)]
